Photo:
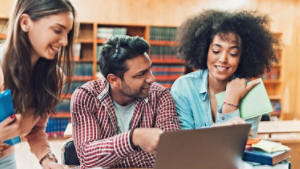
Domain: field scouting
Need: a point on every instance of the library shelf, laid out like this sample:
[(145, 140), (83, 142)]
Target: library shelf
[(80, 78), (61, 115), (85, 60), (100, 41), (58, 138), (163, 43), (275, 97), (276, 65), (84, 40), (271, 81), (66, 96), (2, 36), (167, 62), (159, 79)]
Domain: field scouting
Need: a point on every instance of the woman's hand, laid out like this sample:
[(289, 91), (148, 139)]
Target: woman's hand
[(48, 164), (235, 91), (10, 127)]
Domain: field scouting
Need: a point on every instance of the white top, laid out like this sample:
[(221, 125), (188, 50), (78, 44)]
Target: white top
[(124, 115)]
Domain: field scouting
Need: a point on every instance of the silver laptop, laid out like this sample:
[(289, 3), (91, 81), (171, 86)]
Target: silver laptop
[(207, 148)]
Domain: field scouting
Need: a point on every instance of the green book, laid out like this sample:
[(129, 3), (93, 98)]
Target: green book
[(255, 103)]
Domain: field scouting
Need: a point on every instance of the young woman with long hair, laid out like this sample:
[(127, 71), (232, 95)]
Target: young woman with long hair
[(40, 35)]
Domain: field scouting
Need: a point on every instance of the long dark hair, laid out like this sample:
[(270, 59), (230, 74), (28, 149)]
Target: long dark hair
[(37, 87)]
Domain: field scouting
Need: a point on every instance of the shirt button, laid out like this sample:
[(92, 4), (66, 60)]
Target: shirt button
[(223, 118)]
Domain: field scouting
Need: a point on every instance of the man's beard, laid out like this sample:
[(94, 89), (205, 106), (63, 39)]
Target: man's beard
[(127, 91)]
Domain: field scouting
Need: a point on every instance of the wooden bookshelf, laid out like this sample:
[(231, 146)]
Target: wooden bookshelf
[(100, 41), (275, 97), (163, 43), (66, 96), (84, 41), (271, 81), (60, 115), (90, 41), (80, 78), (2, 36), (85, 60), (168, 62), (275, 86), (276, 65)]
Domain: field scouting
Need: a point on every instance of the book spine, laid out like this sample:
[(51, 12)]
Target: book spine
[(248, 156)]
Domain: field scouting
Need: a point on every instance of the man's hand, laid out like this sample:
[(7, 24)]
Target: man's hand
[(146, 138)]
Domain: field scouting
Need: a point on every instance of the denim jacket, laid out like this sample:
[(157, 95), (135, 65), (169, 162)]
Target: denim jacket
[(191, 96)]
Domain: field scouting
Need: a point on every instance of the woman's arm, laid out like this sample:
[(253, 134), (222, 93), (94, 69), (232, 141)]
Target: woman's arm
[(38, 139)]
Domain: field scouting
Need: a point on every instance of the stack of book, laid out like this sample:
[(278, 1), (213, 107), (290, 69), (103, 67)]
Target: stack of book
[(83, 71), (162, 33), (104, 33), (3, 26), (56, 126), (164, 54), (73, 86), (272, 74), (266, 155), (276, 107), (63, 107), (167, 74), (76, 51)]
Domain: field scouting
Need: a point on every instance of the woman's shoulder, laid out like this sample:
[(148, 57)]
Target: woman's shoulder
[(190, 82)]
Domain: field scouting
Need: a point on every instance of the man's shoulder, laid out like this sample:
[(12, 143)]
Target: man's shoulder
[(157, 90)]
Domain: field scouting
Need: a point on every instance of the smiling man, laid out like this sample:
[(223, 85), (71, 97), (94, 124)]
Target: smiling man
[(117, 120)]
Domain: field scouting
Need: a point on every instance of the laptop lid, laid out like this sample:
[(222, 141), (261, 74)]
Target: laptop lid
[(207, 148)]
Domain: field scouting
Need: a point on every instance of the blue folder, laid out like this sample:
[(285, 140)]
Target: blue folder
[(6, 110)]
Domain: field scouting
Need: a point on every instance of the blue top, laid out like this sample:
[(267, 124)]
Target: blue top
[(190, 93)]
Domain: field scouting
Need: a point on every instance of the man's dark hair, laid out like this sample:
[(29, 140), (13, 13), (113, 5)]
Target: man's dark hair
[(116, 50), (258, 43)]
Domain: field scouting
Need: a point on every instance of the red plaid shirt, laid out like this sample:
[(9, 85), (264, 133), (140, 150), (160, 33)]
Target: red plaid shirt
[(95, 131)]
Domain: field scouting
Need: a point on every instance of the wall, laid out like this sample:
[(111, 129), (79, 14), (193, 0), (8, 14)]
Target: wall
[(284, 13)]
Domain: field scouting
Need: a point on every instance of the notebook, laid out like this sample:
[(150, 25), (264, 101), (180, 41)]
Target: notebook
[(207, 148), (255, 103), (270, 146)]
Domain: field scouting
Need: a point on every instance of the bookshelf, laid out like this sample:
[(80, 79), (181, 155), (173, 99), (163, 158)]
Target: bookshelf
[(166, 67), (273, 82), (3, 27)]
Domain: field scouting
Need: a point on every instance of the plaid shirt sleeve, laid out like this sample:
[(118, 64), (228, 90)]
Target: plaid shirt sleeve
[(93, 150), (167, 119)]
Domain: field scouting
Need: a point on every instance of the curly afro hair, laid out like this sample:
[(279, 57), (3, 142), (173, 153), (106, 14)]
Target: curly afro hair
[(258, 44)]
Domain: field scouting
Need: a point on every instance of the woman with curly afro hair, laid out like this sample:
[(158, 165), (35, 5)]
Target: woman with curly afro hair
[(227, 48)]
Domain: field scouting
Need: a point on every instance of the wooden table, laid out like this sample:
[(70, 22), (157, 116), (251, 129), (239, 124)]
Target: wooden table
[(275, 127)]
